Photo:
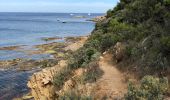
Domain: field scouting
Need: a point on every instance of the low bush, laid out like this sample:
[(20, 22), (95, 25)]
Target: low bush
[(72, 95), (61, 77), (82, 57), (167, 2), (48, 63), (108, 41), (109, 13), (92, 74), (151, 88), (79, 59), (165, 41)]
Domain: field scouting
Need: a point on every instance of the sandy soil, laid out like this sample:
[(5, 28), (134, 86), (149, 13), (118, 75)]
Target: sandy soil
[(112, 82)]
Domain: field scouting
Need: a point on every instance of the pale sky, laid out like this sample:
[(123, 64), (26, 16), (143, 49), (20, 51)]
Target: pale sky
[(88, 6)]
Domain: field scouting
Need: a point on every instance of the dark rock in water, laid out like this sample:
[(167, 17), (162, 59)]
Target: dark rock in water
[(64, 22), (10, 48), (51, 38)]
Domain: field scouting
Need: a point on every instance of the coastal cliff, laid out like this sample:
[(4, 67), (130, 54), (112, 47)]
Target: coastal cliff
[(41, 83)]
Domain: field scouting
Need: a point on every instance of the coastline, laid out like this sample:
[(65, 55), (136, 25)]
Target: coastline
[(57, 50), (126, 56), (54, 51), (42, 85)]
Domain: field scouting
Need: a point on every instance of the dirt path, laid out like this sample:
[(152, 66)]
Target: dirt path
[(111, 83)]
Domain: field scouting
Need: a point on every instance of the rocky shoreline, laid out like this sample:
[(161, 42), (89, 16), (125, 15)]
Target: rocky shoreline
[(58, 52), (41, 83)]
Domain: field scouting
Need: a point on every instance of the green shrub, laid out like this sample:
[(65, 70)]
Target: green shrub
[(48, 63), (74, 96), (82, 57), (167, 2), (166, 41), (129, 51), (108, 40), (61, 77), (151, 88), (126, 31), (95, 43), (92, 74), (109, 13), (79, 59)]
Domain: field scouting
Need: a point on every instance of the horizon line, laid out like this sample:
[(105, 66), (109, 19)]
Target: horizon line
[(47, 12)]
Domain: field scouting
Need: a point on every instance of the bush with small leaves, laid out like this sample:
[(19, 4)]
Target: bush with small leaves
[(92, 74), (151, 88), (72, 95), (167, 2), (61, 77), (109, 13)]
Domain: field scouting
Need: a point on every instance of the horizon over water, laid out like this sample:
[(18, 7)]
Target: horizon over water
[(34, 26), (26, 28), (18, 28)]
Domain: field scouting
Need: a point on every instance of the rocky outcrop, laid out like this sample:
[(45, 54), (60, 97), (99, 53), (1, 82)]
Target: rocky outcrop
[(74, 85), (119, 51), (41, 84), (98, 19)]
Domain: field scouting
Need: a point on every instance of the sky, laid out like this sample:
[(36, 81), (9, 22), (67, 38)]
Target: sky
[(74, 6)]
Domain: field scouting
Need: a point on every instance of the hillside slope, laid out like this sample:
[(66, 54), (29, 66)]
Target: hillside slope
[(137, 33)]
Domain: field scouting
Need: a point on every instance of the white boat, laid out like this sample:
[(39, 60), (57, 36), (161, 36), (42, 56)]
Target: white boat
[(89, 14), (71, 14)]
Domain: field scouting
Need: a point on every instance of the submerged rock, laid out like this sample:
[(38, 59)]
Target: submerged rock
[(8, 63), (51, 38)]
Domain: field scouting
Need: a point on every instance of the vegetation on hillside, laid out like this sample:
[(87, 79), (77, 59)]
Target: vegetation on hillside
[(144, 27), (151, 88)]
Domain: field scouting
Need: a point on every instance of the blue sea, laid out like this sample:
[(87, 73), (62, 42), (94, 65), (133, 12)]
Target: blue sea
[(29, 29)]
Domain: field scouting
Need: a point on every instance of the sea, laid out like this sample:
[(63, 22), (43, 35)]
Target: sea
[(28, 29)]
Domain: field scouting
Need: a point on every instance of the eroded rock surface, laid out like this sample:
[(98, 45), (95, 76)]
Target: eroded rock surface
[(120, 49), (41, 83)]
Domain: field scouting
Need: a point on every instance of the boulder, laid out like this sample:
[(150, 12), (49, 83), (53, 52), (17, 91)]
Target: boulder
[(119, 51)]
